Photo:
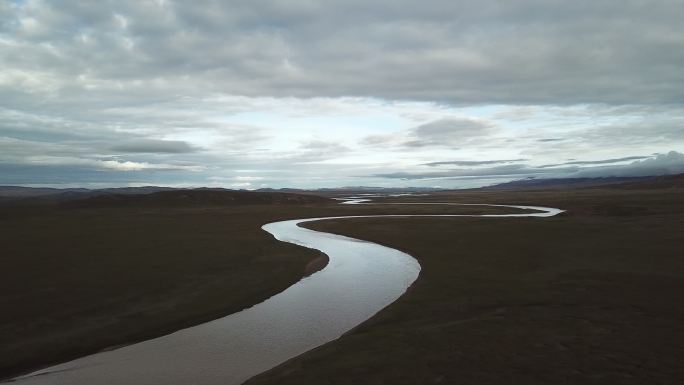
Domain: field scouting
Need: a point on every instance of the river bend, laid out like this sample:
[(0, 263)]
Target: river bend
[(360, 279)]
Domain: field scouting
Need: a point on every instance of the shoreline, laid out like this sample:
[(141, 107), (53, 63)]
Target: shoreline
[(173, 232), (584, 296), (151, 334)]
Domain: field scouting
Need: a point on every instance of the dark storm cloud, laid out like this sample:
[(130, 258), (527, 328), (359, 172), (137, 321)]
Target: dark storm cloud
[(154, 146)]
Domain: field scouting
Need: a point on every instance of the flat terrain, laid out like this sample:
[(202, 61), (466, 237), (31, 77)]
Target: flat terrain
[(78, 281), (84, 276), (589, 297)]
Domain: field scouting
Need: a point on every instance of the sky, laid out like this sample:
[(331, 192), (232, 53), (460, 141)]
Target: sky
[(310, 94)]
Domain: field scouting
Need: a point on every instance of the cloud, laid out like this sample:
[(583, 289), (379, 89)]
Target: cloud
[(119, 165), (505, 170), (603, 161), (307, 88), (380, 140), (661, 164), (316, 151), (448, 132), (153, 146), (323, 146), (457, 52), (472, 162), (656, 129)]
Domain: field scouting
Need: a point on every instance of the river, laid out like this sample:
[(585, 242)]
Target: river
[(360, 279)]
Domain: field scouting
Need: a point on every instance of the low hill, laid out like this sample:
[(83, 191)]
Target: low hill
[(657, 182), (559, 183), (196, 197), (18, 192), (47, 196)]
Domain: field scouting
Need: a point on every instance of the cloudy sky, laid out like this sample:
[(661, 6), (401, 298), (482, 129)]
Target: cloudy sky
[(305, 93)]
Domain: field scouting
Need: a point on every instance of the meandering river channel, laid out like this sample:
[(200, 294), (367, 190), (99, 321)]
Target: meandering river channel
[(360, 279)]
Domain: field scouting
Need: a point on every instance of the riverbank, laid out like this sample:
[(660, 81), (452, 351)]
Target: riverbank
[(79, 280), (588, 297), (76, 282)]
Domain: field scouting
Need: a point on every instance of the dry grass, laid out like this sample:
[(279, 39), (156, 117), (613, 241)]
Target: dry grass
[(75, 281), (588, 297), (591, 297)]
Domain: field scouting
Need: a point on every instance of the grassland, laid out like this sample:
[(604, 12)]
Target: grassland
[(84, 276), (590, 297)]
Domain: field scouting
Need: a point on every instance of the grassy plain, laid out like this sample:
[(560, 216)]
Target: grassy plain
[(589, 297), (84, 276)]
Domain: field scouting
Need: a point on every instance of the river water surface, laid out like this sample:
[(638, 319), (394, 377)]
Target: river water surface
[(360, 279)]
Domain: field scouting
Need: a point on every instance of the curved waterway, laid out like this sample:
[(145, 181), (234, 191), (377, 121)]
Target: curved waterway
[(360, 279)]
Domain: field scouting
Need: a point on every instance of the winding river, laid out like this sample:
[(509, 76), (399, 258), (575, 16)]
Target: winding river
[(360, 279)]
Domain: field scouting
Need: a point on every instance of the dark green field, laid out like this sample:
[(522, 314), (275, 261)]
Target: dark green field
[(592, 296)]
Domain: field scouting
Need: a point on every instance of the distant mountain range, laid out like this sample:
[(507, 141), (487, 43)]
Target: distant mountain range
[(153, 195), (648, 182)]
